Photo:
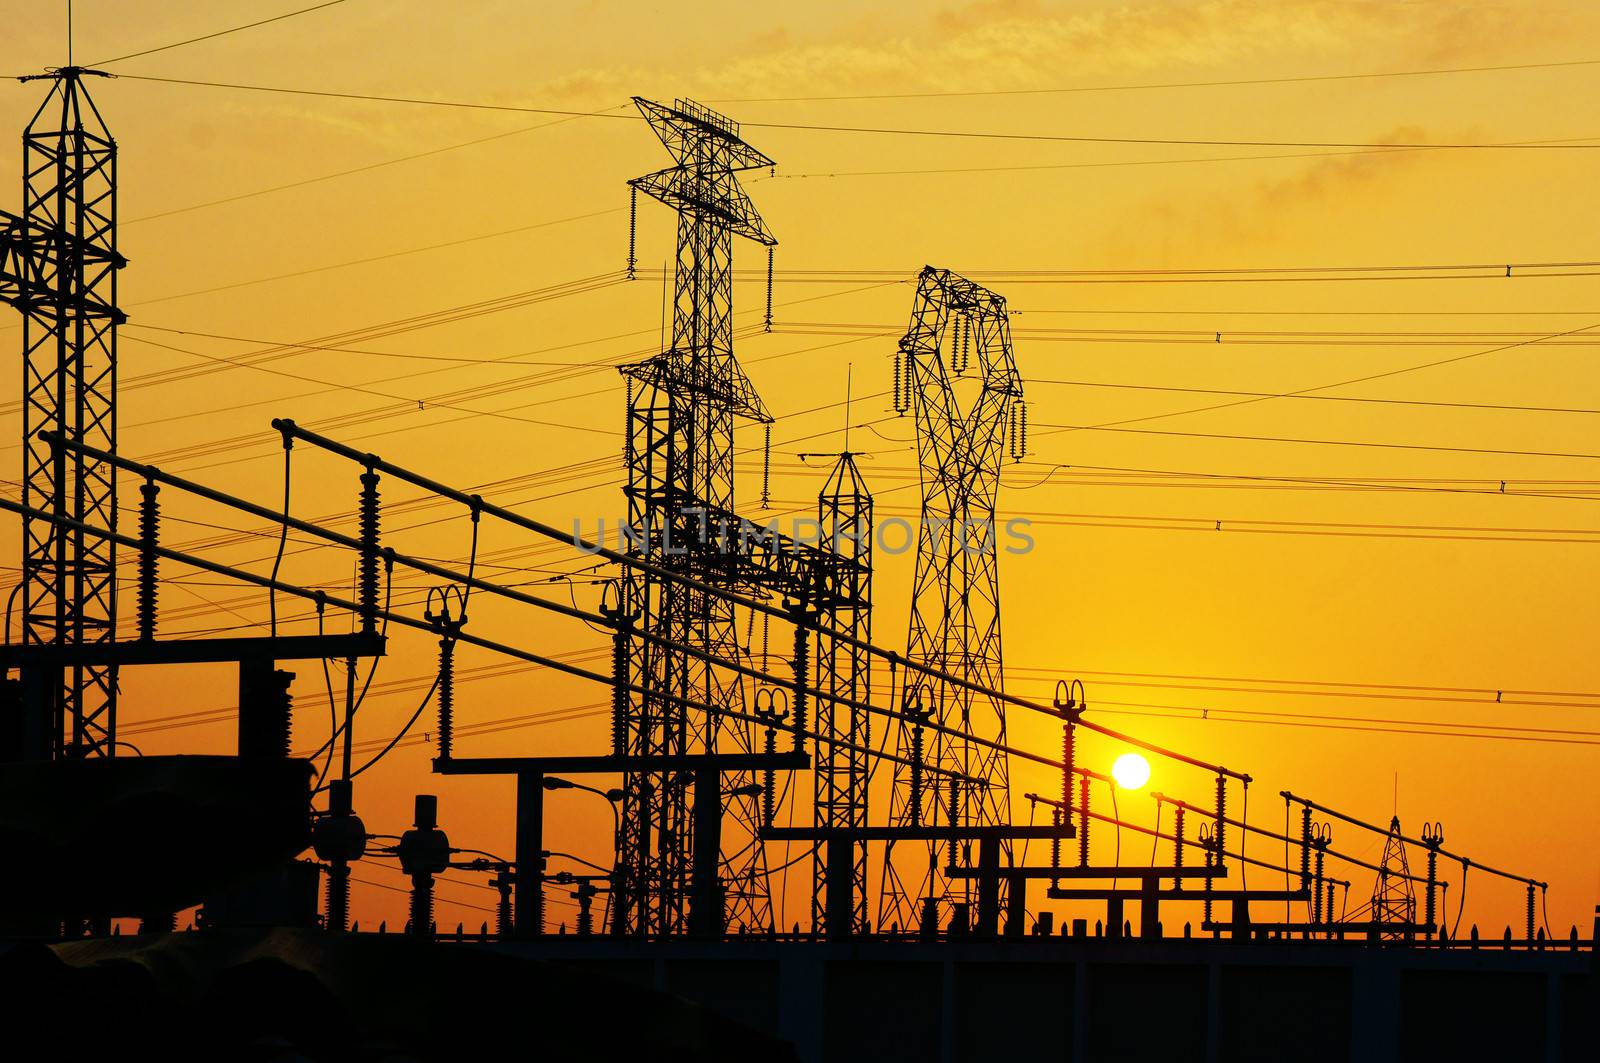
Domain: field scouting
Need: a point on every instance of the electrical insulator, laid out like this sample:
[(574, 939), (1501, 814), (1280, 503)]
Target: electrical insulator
[(266, 710), (802, 675), (447, 696), (424, 852), (1083, 821), (1222, 818), (367, 570), (899, 387), (1177, 846), (769, 290), (633, 230), (1305, 844), (766, 468), (148, 582)]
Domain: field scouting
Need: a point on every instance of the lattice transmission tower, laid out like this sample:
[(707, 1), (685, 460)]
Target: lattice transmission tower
[(683, 404), (1394, 898), (58, 266), (955, 372), (844, 510)]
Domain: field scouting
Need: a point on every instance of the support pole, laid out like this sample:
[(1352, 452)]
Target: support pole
[(529, 873)]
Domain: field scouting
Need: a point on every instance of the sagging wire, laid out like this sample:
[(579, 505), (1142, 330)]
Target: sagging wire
[(466, 593), (333, 707), (388, 590), (1244, 832), (426, 698), (283, 539), (1116, 815)]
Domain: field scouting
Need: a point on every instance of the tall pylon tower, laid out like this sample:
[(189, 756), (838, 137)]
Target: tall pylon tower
[(955, 373), (683, 404), (58, 266)]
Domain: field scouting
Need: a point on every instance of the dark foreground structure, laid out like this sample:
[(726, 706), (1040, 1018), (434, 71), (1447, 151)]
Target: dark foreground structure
[(303, 994)]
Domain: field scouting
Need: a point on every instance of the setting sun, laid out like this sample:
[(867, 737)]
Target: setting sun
[(1131, 771)]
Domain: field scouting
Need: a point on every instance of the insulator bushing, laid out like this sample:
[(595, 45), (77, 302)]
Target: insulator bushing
[(1068, 762), (916, 774), (802, 673), (1055, 839), (367, 569), (1305, 847), (633, 230), (769, 290), (338, 898), (1433, 878), (901, 401), (766, 468), (1316, 888), (769, 795), (1083, 821), (149, 562), (422, 905), (953, 818), (1177, 846), (447, 696), (1222, 819), (619, 691)]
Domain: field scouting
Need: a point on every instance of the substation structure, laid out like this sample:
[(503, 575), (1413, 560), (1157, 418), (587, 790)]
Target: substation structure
[(710, 742)]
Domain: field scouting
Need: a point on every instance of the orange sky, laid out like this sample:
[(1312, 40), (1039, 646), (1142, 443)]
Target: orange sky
[(531, 207)]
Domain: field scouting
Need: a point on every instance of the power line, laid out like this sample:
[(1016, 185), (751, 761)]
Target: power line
[(369, 391), (345, 173), (1416, 687), (1429, 485), (379, 258), (1138, 87), (411, 100), (1317, 398), (1212, 525), (1322, 442), (1121, 163), (218, 33), (889, 130), (1272, 720), (1015, 275)]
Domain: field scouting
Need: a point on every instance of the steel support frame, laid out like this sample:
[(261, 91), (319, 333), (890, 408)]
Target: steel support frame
[(955, 611)]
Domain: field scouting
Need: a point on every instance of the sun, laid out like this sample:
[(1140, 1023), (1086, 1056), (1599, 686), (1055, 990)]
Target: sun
[(1131, 771)]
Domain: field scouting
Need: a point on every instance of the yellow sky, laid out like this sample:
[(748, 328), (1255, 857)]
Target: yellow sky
[(1096, 596)]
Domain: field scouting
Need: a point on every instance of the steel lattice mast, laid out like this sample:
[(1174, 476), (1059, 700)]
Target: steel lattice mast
[(682, 408), (58, 266), (844, 510), (1394, 898), (959, 338)]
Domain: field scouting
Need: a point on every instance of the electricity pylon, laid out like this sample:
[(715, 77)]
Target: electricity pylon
[(959, 340)]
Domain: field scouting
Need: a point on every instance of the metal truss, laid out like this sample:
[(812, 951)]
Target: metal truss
[(844, 509), (58, 266), (955, 372), (682, 406)]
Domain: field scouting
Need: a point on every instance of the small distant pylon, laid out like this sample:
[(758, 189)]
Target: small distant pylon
[(1393, 898)]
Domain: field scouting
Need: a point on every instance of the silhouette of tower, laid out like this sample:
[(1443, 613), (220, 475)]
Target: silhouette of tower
[(955, 372), (58, 266), (1393, 898), (682, 407), (844, 510)]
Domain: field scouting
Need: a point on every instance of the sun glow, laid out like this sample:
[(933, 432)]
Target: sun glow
[(1131, 771)]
